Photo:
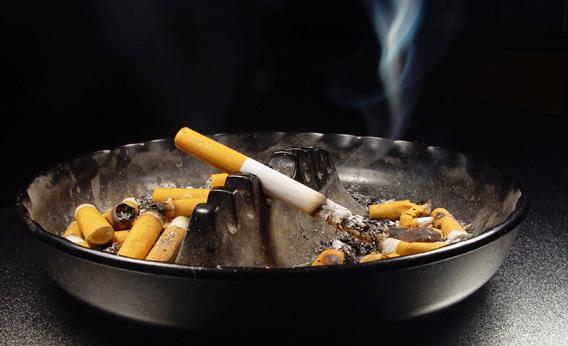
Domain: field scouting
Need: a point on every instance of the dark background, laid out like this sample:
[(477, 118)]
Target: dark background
[(78, 76)]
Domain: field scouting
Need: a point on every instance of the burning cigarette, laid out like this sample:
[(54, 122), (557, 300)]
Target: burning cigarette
[(93, 225), (73, 229), (329, 257), (163, 194), (142, 236), (275, 184), (118, 237), (409, 217), (167, 246), (182, 207), (218, 180), (451, 228), (402, 248)]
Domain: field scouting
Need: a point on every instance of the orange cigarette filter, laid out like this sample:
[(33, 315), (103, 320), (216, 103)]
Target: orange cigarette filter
[(446, 222), (389, 210), (167, 246), (119, 236), (142, 236), (329, 257), (73, 229), (409, 218), (212, 152), (162, 194), (377, 256), (182, 207), (402, 248), (218, 180), (93, 225), (78, 240)]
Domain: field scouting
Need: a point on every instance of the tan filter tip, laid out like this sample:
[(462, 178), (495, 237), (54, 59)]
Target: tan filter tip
[(95, 228), (329, 257), (208, 150)]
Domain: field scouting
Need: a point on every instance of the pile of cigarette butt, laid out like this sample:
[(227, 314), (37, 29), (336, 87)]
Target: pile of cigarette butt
[(407, 228), (151, 228), (154, 227)]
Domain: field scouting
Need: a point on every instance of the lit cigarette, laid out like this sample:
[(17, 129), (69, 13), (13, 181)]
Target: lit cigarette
[(218, 180), (181, 207), (118, 237), (389, 210), (409, 217), (163, 194), (451, 228), (402, 248), (329, 257), (73, 229), (275, 184), (167, 246), (93, 225), (142, 236)]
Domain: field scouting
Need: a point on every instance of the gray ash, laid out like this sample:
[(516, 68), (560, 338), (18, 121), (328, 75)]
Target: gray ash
[(124, 213), (113, 249), (363, 199), (145, 203)]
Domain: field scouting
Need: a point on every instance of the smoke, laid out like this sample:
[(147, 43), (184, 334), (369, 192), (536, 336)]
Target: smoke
[(395, 23), (380, 82)]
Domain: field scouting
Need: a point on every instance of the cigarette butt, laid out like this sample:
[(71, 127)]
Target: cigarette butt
[(108, 216), (142, 236), (402, 248), (210, 151), (77, 240), (73, 229), (450, 227), (167, 246), (425, 221), (389, 210), (118, 237), (93, 225), (218, 180), (182, 207), (274, 183), (163, 194), (408, 221), (329, 257), (409, 217), (375, 256), (117, 215)]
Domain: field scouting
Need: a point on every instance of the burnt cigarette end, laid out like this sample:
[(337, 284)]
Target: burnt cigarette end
[(329, 257)]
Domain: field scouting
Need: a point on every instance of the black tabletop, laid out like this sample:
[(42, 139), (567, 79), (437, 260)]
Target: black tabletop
[(525, 303)]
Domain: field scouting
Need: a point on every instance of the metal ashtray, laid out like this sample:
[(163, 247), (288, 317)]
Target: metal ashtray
[(210, 297)]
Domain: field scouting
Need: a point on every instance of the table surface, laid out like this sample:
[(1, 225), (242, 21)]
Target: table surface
[(525, 303)]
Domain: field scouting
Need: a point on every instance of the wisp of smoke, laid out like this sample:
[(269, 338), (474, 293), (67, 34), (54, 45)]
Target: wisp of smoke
[(395, 23)]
